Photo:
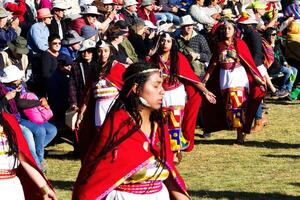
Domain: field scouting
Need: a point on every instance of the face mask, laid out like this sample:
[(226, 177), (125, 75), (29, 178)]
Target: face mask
[(144, 102)]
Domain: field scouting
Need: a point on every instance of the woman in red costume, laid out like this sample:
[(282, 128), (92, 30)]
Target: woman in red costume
[(237, 83), (182, 100), (100, 93), (20, 177), (131, 157)]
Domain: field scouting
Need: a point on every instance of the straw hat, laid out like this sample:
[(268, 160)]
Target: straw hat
[(4, 13), (130, 3), (90, 10), (187, 20), (61, 5), (87, 44)]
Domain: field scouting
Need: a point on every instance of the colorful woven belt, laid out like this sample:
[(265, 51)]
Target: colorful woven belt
[(7, 174), (148, 187)]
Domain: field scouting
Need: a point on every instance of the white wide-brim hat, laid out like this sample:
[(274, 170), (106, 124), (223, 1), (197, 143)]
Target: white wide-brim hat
[(11, 73), (187, 20)]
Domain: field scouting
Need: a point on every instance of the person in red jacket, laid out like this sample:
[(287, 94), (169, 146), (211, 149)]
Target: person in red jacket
[(131, 158), (146, 11), (18, 8)]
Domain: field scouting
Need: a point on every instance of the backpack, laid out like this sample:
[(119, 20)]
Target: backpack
[(268, 53), (38, 114)]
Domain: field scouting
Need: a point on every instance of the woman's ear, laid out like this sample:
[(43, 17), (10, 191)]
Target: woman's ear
[(134, 88)]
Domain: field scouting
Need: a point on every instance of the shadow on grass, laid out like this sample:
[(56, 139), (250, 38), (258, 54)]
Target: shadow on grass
[(282, 156), (295, 184), (60, 156), (63, 185), (282, 102), (231, 195), (266, 144)]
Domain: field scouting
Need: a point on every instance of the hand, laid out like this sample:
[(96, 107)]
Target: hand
[(129, 61), (112, 14), (216, 16), (210, 97), (44, 102), (10, 95), (73, 107), (78, 121), (194, 55), (15, 23), (152, 34), (50, 195)]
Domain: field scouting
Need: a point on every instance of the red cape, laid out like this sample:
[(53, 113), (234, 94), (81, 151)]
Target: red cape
[(188, 77), (87, 129), (214, 115), (31, 190), (97, 177)]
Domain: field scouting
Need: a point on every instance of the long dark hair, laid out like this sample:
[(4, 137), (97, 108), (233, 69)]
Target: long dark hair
[(11, 136), (221, 36), (173, 57), (129, 101)]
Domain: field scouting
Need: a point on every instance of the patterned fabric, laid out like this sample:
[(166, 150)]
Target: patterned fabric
[(236, 106), (148, 187), (268, 52), (293, 9)]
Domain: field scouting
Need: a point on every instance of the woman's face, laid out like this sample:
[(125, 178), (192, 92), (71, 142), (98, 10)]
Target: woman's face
[(3, 22), (87, 54), (91, 19), (55, 45), (200, 2), (229, 31), (104, 53), (261, 11), (166, 44), (153, 91)]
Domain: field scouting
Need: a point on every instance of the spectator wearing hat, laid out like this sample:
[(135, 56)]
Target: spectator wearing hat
[(42, 133), (9, 34), (126, 44), (16, 54), (193, 45), (37, 37), (88, 32), (81, 71), (18, 8), (141, 39), (58, 24), (129, 11), (45, 4), (146, 11), (71, 44), (115, 36), (90, 17)]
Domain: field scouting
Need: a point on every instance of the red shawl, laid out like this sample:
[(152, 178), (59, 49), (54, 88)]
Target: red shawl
[(97, 177), (192, 106), (31, 190), (87, 129), (214, 115)]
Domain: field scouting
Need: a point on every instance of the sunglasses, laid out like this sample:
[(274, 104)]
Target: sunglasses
[(56, 43), (273, 34), (94, 16), (88, 51)]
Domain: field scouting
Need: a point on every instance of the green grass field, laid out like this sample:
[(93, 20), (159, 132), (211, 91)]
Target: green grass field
[(266, 167)]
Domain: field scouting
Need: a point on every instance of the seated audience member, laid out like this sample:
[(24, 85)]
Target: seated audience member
[(7, 29), (280, 64), (58, 25), (71, 44), (193, 45), (115, 36), (146, 11), (44, 132), (129, 11), (16, 54), (202, 14)]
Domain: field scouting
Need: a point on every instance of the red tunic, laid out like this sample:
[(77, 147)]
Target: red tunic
[(31, 190), (99, 176), (214, 115)]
